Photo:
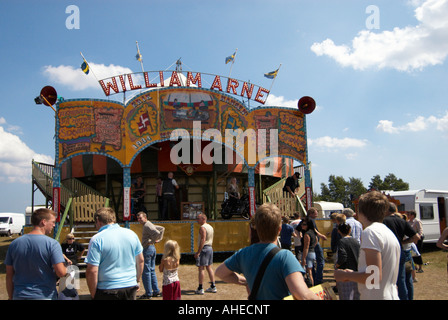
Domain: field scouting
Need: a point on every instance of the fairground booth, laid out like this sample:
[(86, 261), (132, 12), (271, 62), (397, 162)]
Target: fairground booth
[(206, 129)]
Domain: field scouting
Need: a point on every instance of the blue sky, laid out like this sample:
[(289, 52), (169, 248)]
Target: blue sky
[(381, 93)]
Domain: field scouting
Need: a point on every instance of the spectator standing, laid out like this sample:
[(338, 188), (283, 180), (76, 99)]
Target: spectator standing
[(114, 260), (151, 234), (309, 241), (337, 219), (169, 266), (169, 188), (355, 225), (320, 260), (401, 229), (34, 261), (348, 253), (204, 255), (416, 224), (379, 255), (286, 234), (296, 237), (283, 275)]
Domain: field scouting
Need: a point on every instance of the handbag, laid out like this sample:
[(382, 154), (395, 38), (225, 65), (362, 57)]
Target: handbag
[(260, 273)]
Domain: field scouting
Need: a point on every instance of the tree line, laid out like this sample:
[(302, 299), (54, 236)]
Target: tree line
[(346, 191)]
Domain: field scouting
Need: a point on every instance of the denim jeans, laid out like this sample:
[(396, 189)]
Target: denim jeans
[(318, 275), (401, 280), (149, 277)]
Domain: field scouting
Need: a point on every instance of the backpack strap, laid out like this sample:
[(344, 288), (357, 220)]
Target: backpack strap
[(264, 264)]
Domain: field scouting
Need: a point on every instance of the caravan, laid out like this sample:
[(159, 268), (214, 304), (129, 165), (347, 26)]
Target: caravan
[(11, 223), (431, 207), (325, 208)]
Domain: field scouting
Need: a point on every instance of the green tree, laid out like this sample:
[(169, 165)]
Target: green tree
[(376, 183), (390, 182), (355, 188)]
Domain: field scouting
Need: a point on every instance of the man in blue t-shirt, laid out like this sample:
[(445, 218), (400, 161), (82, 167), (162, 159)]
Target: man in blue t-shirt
[(283, 275), (114, 260), (34, 261)]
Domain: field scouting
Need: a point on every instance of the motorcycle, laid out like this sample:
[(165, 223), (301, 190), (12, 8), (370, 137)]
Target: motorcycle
[(235, 206)]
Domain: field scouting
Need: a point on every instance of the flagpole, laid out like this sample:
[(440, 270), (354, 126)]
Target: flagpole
[(233, 60), (275, 77), (89, 67), (141, 59)]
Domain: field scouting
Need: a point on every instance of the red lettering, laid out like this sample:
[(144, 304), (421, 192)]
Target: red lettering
[(260, 95), (123, 85), (175, 80), (147, 84), (195, 80), (246, 90), (131, 83), (232, 84), (108, 86), (162, 82), (217, 83)]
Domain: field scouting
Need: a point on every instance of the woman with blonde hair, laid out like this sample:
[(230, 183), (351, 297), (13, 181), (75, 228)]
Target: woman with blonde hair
[(169, 266)]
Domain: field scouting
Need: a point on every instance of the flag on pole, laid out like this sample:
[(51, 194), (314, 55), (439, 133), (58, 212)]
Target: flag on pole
[(138, 56), (271, 75), (230, 58), (85, 67)]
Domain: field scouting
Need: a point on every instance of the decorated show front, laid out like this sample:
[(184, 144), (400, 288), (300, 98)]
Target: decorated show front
[(184, 114)]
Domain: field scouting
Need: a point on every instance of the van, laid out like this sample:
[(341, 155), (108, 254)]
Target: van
[(11, 223), (431, 207), (325, 208)]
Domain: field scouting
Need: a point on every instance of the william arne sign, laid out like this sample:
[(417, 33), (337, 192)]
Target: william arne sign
[(156, 79)]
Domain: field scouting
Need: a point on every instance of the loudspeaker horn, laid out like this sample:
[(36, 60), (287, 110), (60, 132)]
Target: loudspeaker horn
[(306, 105)]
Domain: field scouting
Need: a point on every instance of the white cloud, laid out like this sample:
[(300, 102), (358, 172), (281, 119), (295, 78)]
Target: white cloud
[(387, 126), (280, 101), (335, 144), (16, 156), (77, 80), (419, 124), (404, 49)]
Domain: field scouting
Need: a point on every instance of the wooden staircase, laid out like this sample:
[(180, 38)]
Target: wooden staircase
[(83, 233), (42, 176), (287, 205)]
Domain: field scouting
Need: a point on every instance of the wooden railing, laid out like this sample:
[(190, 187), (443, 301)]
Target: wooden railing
[(84, 200), (70, 188), (288, 205), (43, 176), (84, 207)]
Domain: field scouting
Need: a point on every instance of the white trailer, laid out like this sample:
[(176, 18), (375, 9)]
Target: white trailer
[(431, 207), (28, 213), (11, 223), (325, 208)]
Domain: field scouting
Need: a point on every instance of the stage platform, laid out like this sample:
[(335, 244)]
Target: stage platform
[(229, 235)]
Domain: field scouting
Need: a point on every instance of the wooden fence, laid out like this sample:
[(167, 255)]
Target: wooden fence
[(84, 207), (287, 205)]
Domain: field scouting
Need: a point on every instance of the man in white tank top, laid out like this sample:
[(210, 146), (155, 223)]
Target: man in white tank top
[(204, 255)]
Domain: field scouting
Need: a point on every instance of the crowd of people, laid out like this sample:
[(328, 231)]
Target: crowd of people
[(372, 256)]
